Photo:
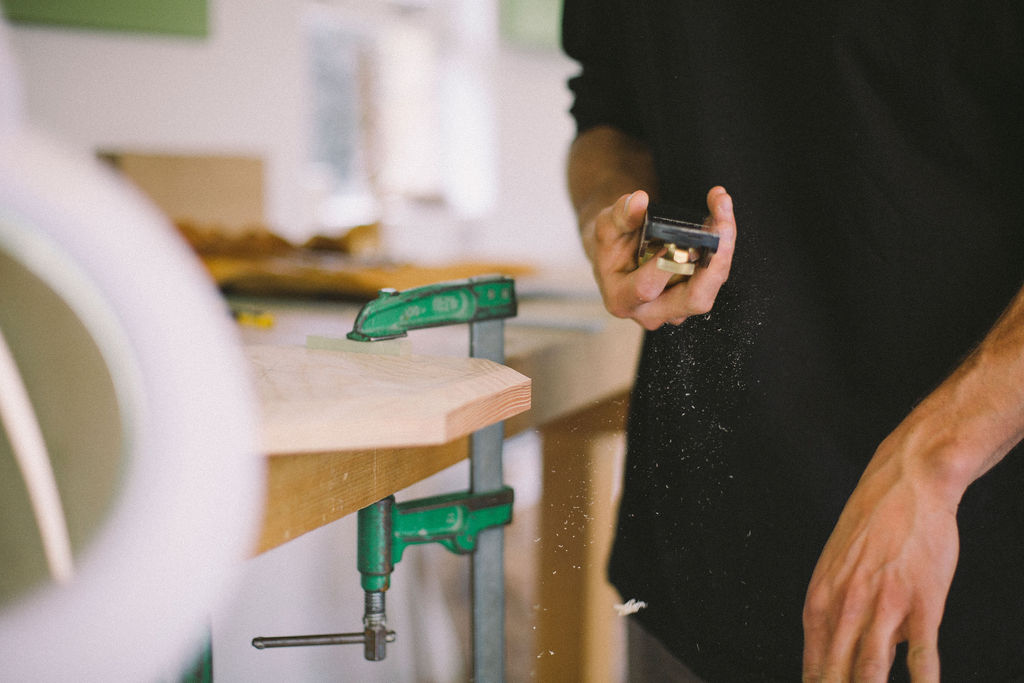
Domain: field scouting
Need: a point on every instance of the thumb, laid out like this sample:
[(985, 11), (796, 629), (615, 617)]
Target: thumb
[(634, 208)]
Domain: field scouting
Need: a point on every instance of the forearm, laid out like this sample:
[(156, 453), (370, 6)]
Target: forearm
[(604, 164), (969, 423)]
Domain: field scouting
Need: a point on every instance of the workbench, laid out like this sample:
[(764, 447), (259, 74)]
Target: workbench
[(581, 362)]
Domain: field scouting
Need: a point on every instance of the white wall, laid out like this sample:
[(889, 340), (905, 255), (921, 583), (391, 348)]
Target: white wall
[(535, 133), (244, 90), (235, 92)]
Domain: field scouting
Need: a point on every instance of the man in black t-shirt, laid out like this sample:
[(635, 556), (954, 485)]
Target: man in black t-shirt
[(821, 458)]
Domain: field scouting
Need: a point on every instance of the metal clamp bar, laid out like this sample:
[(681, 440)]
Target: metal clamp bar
[(487, 340)]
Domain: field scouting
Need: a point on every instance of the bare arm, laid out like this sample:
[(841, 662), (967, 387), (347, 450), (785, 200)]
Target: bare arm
[(884, 574), (611, 179), (604, 165)]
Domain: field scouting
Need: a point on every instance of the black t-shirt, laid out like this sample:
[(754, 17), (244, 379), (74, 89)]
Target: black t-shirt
[(875, 155)]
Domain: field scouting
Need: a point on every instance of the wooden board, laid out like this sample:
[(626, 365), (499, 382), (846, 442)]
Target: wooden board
[(325, 401)]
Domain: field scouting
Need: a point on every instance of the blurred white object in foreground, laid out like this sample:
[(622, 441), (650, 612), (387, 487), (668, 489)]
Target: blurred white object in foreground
[(131, 364)]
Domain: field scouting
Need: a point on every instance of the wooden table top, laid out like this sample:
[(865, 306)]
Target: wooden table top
[(343, 430)]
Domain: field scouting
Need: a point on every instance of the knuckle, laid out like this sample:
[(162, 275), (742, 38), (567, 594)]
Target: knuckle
[(701, 305), (617, 213), (613, 305), (647, 291), (835, 672), (604, 226), (649, 324), (814, 608), (718, 276), (648, 319), (892, 597), (870, 669), (603, 235), (617, 310), (853, 605), (819, 594)]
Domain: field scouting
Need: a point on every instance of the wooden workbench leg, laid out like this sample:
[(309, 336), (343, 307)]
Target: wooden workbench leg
[(579, 635)]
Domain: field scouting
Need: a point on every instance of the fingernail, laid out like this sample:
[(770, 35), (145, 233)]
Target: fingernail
[(628, 200), (727, 204)]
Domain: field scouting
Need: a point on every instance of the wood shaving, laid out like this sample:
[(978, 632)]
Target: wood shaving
[(632, 606)]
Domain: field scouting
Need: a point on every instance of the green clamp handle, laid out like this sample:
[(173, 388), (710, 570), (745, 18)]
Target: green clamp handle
[(453, 520), (393, 313)]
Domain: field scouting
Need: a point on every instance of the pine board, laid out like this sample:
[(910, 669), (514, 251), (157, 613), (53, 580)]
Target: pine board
[(315, 401)]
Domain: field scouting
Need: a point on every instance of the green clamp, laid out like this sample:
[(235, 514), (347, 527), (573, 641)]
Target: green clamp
[(454, 520), (393, 313)]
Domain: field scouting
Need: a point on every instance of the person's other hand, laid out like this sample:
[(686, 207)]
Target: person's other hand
[(883, 576), (640, 293)]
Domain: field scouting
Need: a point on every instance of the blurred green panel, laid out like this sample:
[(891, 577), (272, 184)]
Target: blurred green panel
[(180, 17), (532, 23)]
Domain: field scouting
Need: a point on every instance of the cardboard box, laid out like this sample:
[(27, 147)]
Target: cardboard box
[(225, 192)]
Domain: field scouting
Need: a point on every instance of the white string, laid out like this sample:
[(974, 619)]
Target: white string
[(26, 438)]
